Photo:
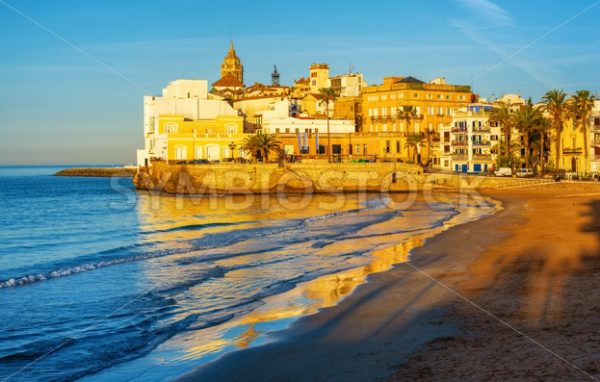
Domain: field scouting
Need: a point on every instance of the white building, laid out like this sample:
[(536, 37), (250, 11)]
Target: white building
[(277, 120), (466, 144), (183, 97), (348, 85)]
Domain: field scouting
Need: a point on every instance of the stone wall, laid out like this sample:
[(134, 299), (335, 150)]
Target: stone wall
[(310, 177)]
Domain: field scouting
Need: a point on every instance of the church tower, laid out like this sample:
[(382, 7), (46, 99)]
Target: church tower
[(275, 76), (232, 64)]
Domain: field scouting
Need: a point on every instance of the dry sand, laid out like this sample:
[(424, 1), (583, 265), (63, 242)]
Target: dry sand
[(515, 296)]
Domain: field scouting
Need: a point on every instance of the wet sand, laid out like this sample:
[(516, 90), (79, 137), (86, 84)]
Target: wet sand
[(512, 296)]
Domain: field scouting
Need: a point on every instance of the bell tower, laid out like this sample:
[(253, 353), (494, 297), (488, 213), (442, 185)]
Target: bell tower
[(275, 76), (232, 64)]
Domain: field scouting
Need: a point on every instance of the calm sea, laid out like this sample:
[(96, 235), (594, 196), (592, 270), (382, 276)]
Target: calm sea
[(102, 283)]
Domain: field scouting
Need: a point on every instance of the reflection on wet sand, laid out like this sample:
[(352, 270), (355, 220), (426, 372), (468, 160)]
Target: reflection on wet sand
[(358, 235)]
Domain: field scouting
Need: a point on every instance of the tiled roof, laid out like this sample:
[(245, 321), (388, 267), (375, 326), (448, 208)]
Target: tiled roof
[(410, 79), (229, 81)]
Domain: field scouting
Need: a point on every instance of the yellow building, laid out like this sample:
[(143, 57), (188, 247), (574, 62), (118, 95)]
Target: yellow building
[(405, 105), (212, 139)]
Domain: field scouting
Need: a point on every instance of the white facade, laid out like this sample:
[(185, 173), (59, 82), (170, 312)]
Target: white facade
[(188, 98), (290, 125), (348, 85), (466, 144), (277, 120)]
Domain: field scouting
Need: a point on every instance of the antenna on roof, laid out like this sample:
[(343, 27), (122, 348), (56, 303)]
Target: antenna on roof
[(349, 67)]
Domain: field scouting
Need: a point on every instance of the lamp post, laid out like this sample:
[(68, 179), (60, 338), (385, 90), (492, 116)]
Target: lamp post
[(232, 147)]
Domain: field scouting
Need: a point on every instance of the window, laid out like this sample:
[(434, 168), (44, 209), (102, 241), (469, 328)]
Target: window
[(230, 128), (447, 149), (365, 149), (357, 150), (416, 95), (429, 96), (446, 136), (180, 152), (384, 97), (398, 147), (461, 97), (171, 127), (277, 130), (287, 130), (387, 147)]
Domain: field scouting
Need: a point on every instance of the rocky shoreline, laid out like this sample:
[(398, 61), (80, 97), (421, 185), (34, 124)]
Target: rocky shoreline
[(98, 172)]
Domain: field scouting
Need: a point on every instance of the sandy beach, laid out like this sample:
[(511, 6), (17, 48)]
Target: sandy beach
[(513, 296)]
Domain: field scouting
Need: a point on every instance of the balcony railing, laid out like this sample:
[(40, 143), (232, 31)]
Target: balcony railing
[(481, 143), (459, 130), (481, 129), (459, 156), (573, 151), (459, 143), (482, 156), (596, 142)]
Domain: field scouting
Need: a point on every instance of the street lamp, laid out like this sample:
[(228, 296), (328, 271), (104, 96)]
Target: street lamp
[(232, 147)]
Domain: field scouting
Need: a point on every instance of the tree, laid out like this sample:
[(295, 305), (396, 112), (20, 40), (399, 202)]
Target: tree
[(413, 142), (502, 115), (526, 120), (260, 144), (555, 104), (407, 113), (582, 103), (543, 128), (327, 95)]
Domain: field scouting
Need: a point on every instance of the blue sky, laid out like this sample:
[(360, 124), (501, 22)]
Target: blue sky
[(58, 105)]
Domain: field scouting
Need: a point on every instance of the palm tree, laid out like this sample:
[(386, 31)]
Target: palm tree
[(543, 128), (582, 103), (327, 95), (526, 120), (406, 113), (413, 141), (260, 144), (503, 116), (555, 104)]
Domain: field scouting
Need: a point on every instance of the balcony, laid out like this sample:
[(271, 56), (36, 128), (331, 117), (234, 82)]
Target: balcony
[(482, 156), (596, 142), (459, 143), (481, 129), (481, 143), (459, 130), (572, 151), (459, 156)]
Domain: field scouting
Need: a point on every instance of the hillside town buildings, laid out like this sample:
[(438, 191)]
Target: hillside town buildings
[(443, 126)]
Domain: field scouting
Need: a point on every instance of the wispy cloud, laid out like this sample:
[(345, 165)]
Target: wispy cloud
[(488, 10)]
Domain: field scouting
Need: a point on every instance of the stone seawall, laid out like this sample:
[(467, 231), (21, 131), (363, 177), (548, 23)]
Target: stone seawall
[(310, 177)]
